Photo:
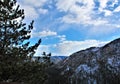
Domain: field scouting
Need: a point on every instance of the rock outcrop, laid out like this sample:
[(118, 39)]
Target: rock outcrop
[(95, 65)]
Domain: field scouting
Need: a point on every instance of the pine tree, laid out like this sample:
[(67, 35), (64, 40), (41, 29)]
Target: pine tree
[(15, 49), (14, 33)]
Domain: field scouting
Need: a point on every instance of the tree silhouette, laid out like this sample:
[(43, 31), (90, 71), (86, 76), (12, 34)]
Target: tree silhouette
[(15, 50)]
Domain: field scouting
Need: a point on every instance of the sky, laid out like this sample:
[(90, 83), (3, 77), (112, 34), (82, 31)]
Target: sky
[(68, 26)]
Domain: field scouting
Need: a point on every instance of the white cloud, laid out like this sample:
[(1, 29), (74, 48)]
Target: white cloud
[(77, 11), (44, 33), (117, 26), (61, 37), (43, 11), (104, 31), (34, 3), (33, 8), (82, 11), (69, 47), (80, 14), (30, 12), (103, 3), (41, 49), (108, 12), (114, 2), (66, 48), (117, 9), (65, 5)]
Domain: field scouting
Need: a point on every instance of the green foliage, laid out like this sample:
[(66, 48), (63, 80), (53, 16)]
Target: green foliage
[(13, 32), (46, 59), (16, 64)]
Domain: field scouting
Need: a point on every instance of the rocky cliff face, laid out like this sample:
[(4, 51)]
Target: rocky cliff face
[(95, 65)]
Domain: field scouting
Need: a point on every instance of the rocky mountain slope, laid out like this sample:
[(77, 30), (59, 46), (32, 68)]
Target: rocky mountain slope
[(57, 59), (95, 65)]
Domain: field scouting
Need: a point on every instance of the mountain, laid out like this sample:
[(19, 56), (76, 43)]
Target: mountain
[(57, 59), (53, 59), (95, 65)]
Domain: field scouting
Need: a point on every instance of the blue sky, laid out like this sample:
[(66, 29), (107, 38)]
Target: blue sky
[(67, 26)]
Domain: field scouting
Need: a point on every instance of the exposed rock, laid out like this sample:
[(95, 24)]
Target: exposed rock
[(95, 65)]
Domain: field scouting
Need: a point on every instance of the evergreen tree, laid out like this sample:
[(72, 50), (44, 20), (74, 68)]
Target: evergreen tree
[(14, 34), (15, 50), (47, 58)]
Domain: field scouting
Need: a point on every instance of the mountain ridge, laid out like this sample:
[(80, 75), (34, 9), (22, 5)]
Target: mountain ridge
[(95, 65)]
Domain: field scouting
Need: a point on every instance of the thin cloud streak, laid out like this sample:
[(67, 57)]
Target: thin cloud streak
[(44, 33)]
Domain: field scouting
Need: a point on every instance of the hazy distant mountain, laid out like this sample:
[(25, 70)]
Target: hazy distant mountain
[(56, 59), (95, 65)]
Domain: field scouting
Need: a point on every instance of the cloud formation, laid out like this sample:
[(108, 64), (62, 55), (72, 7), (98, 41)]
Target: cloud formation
[(34, 3), (87, 12), (33, 8), (117, 9), (66, 48), (97, 17), (44, 33), (79, 11), (69, 47)]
